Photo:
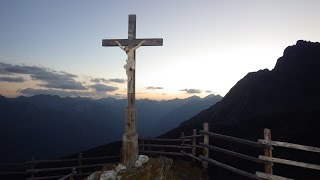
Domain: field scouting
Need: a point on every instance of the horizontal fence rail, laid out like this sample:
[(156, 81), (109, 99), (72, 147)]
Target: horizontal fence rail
[(235, 154), (289, 162), (271, 177), (160, 139), (166, 146), (62, 168), (51, 161), (290, 145), (33, 167), (191, 145), (162, 152), (193, 136), (46, 177), (162, 149), (190, 155), (237, 140), (230, 168)]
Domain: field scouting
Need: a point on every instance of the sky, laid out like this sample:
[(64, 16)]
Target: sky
[(54, 47)]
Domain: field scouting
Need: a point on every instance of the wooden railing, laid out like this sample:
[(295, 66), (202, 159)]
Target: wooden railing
[(57, 169), (201, 141), (160, 148), (195, 146)]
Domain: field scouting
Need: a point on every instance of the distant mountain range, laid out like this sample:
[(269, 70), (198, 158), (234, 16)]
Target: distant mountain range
[(285, 99), (50, 126)]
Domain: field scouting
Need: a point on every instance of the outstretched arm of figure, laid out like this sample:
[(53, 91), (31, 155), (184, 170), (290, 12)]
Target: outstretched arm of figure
[(119, 45), (139, 45)]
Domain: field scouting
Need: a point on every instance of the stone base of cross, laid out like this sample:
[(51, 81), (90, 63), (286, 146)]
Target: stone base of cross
[(130, 148)]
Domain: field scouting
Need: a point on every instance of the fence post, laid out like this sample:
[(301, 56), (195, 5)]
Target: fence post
[(206, 142), (194, 139), (182, 142), (267, 151), (80, 165)]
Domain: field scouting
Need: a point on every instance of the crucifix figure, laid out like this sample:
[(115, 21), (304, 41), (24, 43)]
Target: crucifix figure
[(131, 63), (130, 149)]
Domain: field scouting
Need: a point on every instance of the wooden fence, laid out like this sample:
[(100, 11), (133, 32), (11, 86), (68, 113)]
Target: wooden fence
[(57, 169), (195, 146), (201, 141)]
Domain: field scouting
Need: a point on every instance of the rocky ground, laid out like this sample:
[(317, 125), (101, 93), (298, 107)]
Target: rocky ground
[(162, 168)]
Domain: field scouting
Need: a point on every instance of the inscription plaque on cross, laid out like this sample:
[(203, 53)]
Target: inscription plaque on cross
[(130, 149)]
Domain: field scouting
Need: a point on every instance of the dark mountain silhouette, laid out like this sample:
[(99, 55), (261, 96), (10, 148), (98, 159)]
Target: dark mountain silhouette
[(285, 99), (50, 126)]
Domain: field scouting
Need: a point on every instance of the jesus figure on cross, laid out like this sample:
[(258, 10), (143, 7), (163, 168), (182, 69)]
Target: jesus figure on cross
[(131, 63), (130, 145)]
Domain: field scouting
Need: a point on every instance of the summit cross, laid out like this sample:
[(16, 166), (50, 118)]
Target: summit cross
[(130, 148)]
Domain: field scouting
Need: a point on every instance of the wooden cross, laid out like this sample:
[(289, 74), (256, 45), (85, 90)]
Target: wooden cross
[(130, 149)]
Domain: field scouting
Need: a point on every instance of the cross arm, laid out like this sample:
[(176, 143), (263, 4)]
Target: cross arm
[(126, 42)]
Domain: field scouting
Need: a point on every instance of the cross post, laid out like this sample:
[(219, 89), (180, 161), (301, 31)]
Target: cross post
[(130, 148)]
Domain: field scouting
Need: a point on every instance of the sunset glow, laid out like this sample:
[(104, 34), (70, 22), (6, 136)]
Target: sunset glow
[(208, 46)]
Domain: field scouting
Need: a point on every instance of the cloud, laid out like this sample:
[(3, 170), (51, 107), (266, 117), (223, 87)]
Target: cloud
[(121, 96), (49, 77), (61, 93), (95, 80), (56, 82), (3, 67), (208, 91), (12, 79), (154, 88), (103, 88), (64, 85), (98, 80), (115, 80), (191, 91)]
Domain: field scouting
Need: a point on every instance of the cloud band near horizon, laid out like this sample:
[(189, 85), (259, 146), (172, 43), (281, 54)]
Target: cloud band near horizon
[(192, 91)]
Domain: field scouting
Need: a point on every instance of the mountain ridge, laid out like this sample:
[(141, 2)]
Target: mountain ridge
[(285, 100), (251, 84)]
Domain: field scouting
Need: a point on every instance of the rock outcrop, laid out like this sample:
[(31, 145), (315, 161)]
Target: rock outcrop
[(162, 168)]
